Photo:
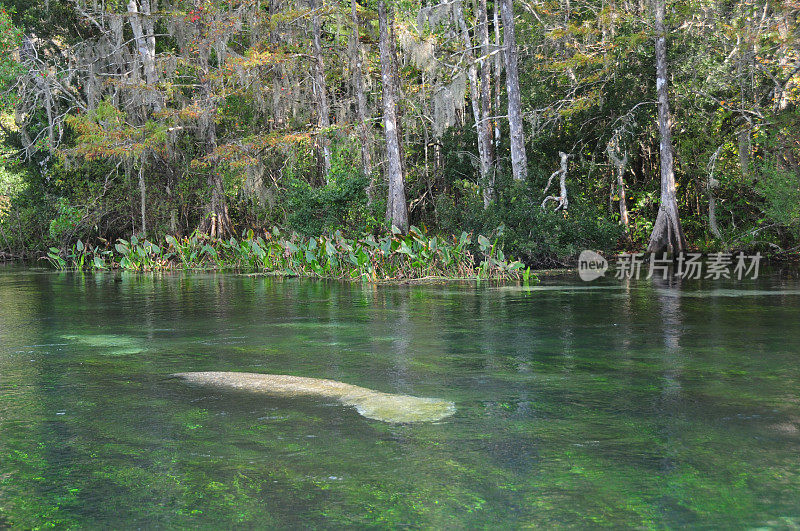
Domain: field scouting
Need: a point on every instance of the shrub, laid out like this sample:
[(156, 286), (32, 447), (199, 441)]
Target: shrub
[(339, 205), (539, 237)]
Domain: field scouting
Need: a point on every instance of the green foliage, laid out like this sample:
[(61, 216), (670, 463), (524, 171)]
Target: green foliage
[(249, 118), (23, 226), (413, 256), (79, 256), (524, 229), (67, 220), (10, 69), (781, 192), (11, 181), (339, 205), (134, 255)]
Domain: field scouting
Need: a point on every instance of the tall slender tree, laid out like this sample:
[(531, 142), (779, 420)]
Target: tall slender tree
[(396, 208), (320, 89), (485, 125), (498, 69), (667, 232), (475, 90), (519, 159), (361, 98)]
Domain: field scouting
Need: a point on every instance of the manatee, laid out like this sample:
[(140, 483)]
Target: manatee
[(375, 405)]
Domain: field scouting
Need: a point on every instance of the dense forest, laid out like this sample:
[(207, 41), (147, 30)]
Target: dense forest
[(549, 127)]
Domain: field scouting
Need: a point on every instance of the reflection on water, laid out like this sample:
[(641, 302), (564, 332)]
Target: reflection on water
[(615, 403)]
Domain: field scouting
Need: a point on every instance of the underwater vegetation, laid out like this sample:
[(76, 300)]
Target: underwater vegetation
[(577, 408), (108, 344)]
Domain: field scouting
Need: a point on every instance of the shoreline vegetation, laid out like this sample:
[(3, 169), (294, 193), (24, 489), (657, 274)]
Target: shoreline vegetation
[(611, 127), (414, 256)]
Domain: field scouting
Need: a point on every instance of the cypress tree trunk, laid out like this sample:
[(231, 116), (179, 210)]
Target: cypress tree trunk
[(619, 165), (498, 71), (519, 160), (323, 109), (143, 198), (475, 90), (145, 44), (140, 18), (486, 99), (667, 231), (623, 201), (217, 223), (397, 209), (361, 101)]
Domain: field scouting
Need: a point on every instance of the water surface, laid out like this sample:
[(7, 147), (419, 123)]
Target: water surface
[(639, 404)]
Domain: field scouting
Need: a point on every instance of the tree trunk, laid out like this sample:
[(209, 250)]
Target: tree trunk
[(323, 109), (667, 231), (619, 165), (145, 44), (562, 201), (484, 141), (712, 200), (144, 37), (143, 198), (712, 214), (361, 102), (519, 160), (498, 73), (217, 223), (486, 99), (397, 209), (743, 141), (398, 88), (623, 202)]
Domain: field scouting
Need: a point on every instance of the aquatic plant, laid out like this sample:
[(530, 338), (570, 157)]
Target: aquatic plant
[(79, 256), (142, 256), (391, 257)]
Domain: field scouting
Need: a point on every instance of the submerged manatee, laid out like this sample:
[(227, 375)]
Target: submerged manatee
[(371, 404)]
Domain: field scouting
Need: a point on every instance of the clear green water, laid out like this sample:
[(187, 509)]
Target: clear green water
[(578, 405)]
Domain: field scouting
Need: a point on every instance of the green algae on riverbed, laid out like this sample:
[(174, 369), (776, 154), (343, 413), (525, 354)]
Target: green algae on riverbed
[(375, 405), (574, 410), (108, 344)]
